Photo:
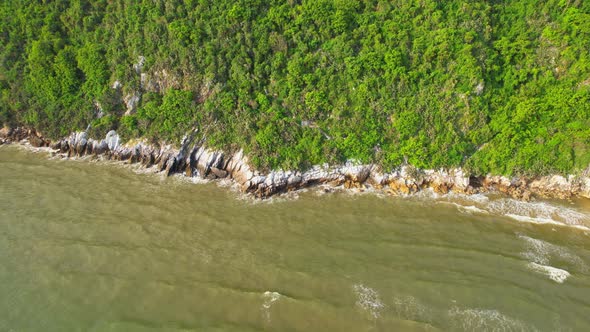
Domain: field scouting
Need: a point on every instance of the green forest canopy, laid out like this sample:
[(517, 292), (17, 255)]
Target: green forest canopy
[(493, 86)]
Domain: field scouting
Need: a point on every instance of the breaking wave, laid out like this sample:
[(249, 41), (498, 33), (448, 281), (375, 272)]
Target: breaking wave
[(368, 299), (409, 308), (529, 212), (457, 318), (541, 253), (269, 299), (540, 212), (555, 274), (485, 320), (471, 209)]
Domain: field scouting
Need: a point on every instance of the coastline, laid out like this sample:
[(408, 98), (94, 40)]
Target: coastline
[(193, 159)]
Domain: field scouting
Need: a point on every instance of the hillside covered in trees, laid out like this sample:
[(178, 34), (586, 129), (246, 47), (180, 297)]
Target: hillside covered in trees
[(492, 86)]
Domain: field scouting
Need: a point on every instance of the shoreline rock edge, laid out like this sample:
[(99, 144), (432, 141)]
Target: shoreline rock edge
[(193, 159)]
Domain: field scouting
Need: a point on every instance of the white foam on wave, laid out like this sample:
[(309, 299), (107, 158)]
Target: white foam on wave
[(364, 191), (473, 209), (226, 183), (470, 209), (251, 199), (269, 298), (28, 147), (540, 253), (138, 169), (409, 308), (368, 299), (485, 320), (472, 198), (533, 220), (555, 274), (427, 193), (540, 213), (194, 179), (529, 212)]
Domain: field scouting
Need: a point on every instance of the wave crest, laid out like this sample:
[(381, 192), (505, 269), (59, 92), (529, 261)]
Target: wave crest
[(368, 299), (485, 320)]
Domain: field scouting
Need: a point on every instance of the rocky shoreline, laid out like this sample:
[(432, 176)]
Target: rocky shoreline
[(194, 160)]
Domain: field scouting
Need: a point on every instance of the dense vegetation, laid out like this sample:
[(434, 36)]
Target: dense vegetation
[(495, 86)]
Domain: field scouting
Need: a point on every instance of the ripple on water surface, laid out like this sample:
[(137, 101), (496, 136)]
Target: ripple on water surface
[(88, 246)]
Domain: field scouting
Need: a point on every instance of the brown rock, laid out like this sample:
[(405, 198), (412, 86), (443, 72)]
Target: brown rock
[(56, 145), (162, 163), (101, 147), (90, 147), (218, 172), (151, 160), (188, 171), (399, 187), (81, 147), (36, 141), (65, 147), (441, 188), (171, 166), (125, 154), (5, 132)]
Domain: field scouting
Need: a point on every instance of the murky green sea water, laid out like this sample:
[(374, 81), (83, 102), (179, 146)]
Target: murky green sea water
[(87, 246)]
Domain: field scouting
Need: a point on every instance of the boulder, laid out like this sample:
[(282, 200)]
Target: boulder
[(147, 158), (36, 141), (135, 154), (441, 188), (163, 162), (356, 174), (294, 181), (171, 166), (5, 132), (100, 147), (64, 146), (555, 186), (218, 172), (112, 139), (189, 171), (80, 146), (585, 187), (122, 154), (56, 145), (460, 180), (90, 146)]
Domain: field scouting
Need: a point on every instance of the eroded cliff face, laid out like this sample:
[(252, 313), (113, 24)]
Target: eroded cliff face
[(193, 159)]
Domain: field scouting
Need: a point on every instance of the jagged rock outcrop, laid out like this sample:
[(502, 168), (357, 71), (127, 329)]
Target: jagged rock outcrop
[(585, 187), (18, 134), (152, 81), (193, 159), (131, 102)]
